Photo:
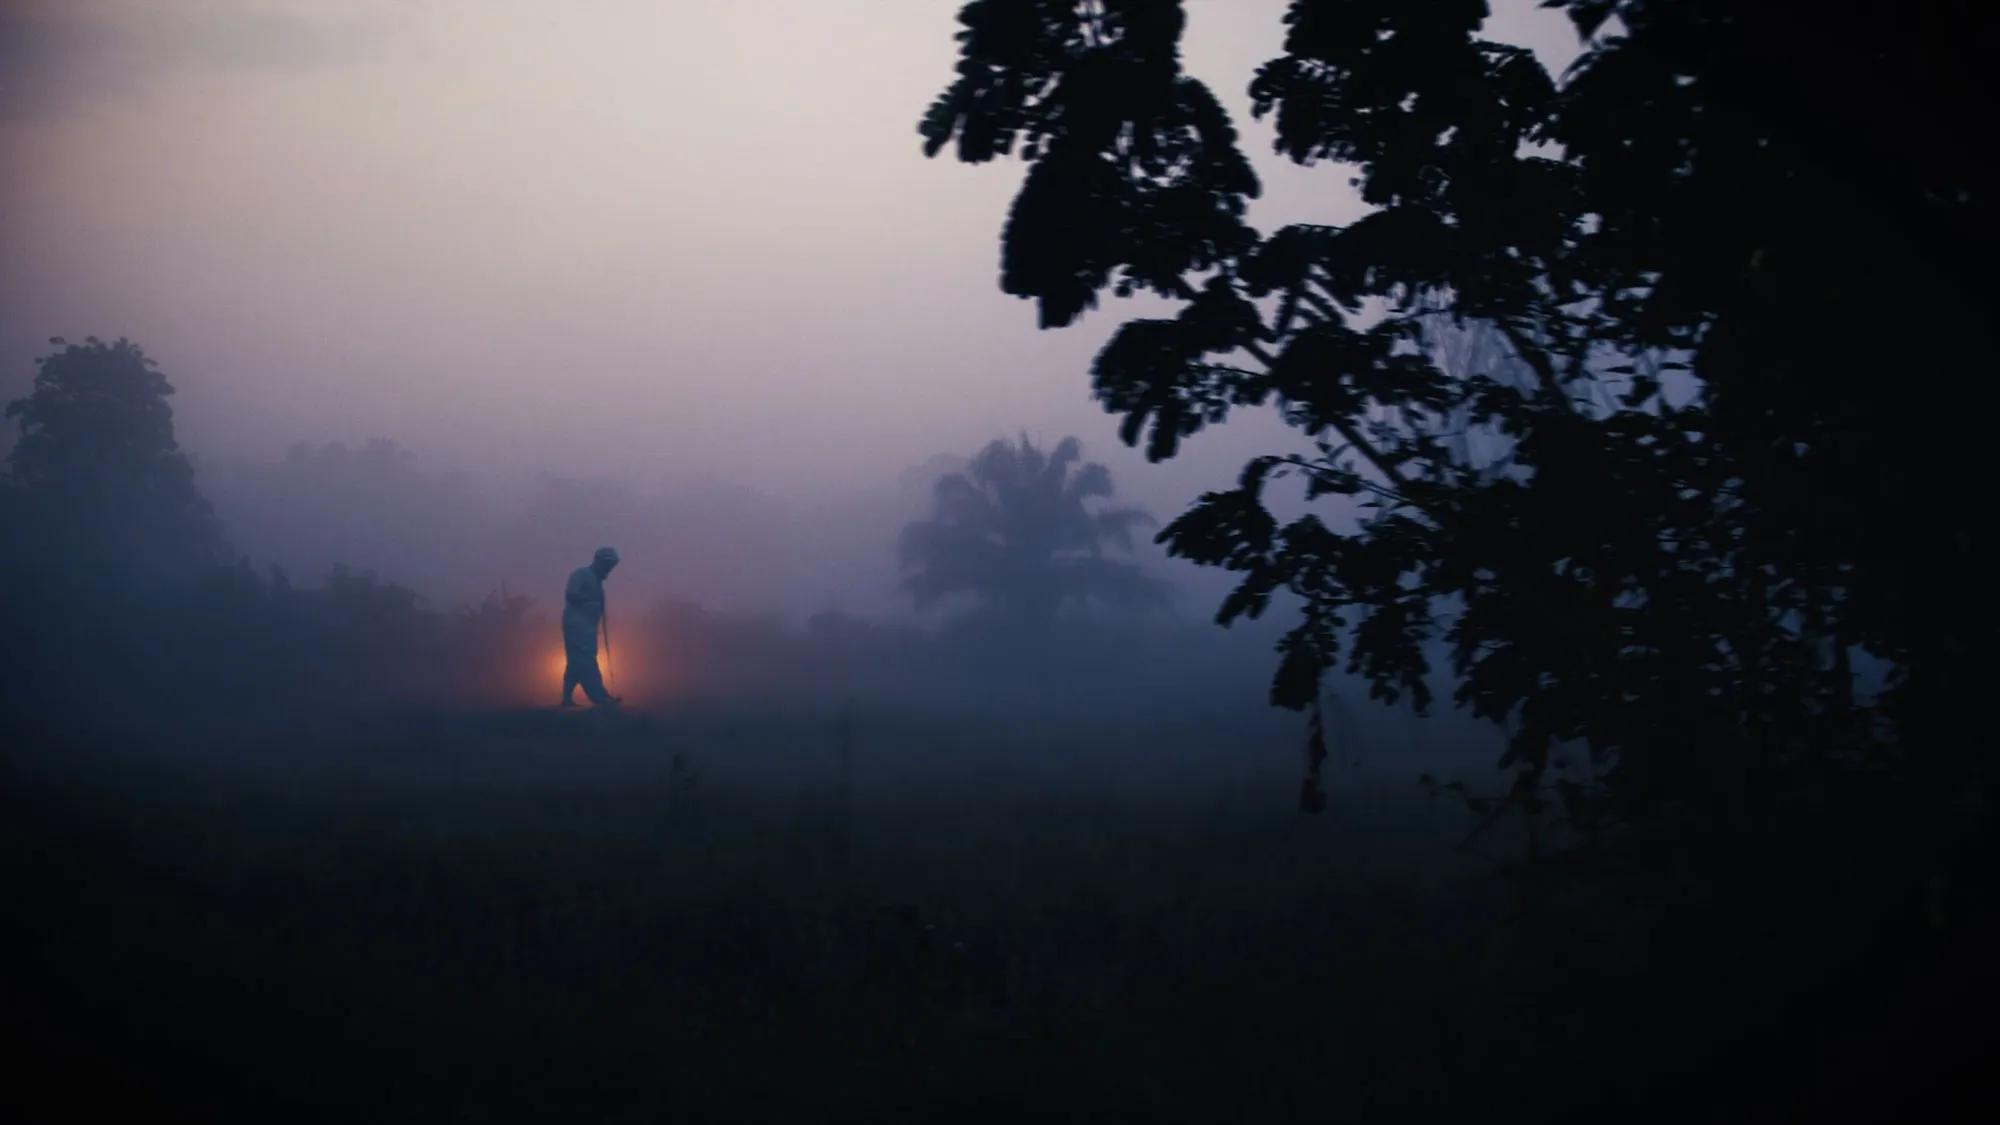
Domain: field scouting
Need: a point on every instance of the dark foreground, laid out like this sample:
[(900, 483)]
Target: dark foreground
[(750, 915)]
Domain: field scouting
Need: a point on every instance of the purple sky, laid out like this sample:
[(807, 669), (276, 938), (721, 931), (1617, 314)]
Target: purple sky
[(648, 238)]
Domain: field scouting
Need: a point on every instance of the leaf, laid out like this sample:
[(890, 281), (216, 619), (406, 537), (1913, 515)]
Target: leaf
[(1151, 372)]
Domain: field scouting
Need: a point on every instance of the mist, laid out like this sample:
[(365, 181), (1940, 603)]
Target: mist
[(453, 294), (917, 772), (622, 240)]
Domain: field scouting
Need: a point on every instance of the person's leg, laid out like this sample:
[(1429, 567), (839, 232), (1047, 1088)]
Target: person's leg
[(579, 668), (588, 675)]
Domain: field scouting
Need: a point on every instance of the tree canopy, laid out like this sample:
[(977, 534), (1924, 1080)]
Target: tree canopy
[(1708, 248), (97, 472), (1017, 530)]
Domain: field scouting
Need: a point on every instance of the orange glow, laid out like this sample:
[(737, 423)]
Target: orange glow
[(633, 673)]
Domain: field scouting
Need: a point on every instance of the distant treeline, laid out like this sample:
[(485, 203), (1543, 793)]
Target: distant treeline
[(126, 598)]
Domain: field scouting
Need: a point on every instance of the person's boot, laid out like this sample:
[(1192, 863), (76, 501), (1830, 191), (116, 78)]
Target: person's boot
[(567, 702)]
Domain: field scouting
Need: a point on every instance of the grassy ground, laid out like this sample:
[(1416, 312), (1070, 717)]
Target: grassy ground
[(750, 914)]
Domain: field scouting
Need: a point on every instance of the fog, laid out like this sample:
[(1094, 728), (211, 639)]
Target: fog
[(454, 293), (686, 257)]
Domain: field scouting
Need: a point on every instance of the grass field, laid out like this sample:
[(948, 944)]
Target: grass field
[(742, 912)]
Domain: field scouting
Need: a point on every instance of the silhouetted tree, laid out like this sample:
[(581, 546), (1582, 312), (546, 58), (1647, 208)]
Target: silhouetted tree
[(1707, 499), (1016, 529), (97, 478), (917, 485), (1726, 262)]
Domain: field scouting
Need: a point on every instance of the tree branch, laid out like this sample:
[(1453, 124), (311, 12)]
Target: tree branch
[(1320, 303), (1536, 361), (1353, 437)]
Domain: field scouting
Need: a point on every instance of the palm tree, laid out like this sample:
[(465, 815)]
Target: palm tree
[(1014, 530)]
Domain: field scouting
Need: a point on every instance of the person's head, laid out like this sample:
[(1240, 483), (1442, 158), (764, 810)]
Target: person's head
[(603, 561)]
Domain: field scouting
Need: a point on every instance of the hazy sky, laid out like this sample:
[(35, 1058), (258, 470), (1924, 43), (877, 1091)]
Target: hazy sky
[(644, 237)]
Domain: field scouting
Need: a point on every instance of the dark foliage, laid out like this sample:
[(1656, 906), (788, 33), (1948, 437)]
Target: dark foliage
[(1016, 530), (96, 479), (124, 602), (1679, 581), (1729, 260)]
